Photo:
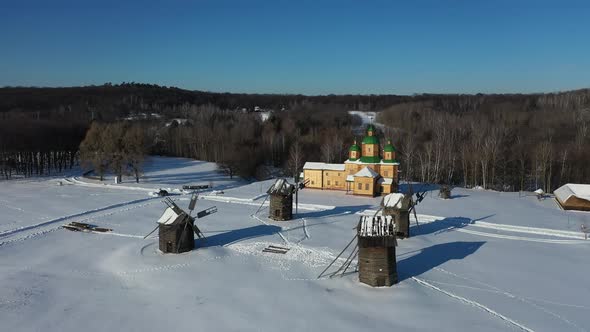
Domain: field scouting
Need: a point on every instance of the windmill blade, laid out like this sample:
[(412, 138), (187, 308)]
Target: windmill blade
[(194, 198), (198, 231), (150, 233), (206, 212)]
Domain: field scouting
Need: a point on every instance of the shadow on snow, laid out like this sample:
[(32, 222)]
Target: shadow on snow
[(236, 235), (434, 256), (441, 226)]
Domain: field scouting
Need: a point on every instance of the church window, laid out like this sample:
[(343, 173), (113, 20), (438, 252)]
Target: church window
[(366, 186), (360, 186)]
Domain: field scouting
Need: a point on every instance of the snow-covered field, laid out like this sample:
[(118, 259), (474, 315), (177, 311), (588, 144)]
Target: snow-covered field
[(482, 261)]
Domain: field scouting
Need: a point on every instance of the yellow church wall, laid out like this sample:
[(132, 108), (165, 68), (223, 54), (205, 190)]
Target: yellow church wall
[(313, 178), (388, 171), (364, 186), (334, 180)]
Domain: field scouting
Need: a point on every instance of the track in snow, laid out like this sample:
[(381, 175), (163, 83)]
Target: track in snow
[(472, 303), (61, 219)]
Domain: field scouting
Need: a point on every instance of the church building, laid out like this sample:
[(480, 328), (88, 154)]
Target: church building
[(368, 170)]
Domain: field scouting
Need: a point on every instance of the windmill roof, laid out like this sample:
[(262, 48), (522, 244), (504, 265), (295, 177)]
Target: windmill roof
[(376, 226), (169, 217), (281, 187), (367, 173), (396, 200)]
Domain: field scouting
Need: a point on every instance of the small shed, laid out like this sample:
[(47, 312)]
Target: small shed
[(444, 191), (176, 231), (397, 205), (376, 255), (573, 196), (281, 200)]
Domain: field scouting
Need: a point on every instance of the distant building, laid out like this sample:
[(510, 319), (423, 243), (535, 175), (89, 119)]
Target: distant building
[(573, 196), (365, 172)]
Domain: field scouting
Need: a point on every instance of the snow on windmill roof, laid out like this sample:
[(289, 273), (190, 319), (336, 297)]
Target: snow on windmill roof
[(566, 191), (366, 172), (281, 187), (169, 217), (396, 201), (376, 226), (324, 166)]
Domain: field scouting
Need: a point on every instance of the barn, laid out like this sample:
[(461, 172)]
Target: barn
[(573, 196)]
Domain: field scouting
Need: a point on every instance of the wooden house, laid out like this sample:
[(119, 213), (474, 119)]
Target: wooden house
[(376, 255), (281, 200), (573, 196), (350, 176)]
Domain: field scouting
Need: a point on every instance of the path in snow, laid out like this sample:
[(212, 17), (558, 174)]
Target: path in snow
[(88, 214), (473, 303)]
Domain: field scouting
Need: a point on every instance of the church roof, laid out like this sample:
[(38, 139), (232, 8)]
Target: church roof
[(370, 140), (367, 172), (389, 147), (354, 147), (370, 160), (324, 166)]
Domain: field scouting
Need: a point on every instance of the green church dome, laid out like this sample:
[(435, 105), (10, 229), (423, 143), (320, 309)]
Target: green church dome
[(354, 147), (389, 147), (370, 140)]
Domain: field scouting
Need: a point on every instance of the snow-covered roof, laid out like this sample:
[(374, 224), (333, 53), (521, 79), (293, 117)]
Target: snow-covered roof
[(350, 178), (377, 226), (323, 166), (395, 200), (566, 191), (366, 172), (281, 187), (168, 217)]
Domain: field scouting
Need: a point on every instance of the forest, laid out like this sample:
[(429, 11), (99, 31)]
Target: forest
[(503, 142)]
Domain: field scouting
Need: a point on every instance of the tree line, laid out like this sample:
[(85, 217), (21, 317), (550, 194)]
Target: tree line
[(515, 143), (38, 147), (506, 142)]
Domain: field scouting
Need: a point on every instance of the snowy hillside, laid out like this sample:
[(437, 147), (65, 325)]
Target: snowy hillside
[(481, 261)]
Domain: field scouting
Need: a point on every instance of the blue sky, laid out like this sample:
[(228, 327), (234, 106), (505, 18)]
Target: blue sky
[(309, 47)]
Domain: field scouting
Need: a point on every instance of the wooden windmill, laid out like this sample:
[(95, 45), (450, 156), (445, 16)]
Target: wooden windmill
[(281, 200), (177, 228), (375, 250)]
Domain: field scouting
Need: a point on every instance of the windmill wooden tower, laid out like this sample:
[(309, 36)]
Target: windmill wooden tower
[(376, 251), (177, 228), (398, 206), (281, 200)]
